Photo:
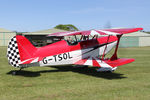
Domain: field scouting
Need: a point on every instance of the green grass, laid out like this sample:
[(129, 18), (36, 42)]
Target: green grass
[(128, 82)]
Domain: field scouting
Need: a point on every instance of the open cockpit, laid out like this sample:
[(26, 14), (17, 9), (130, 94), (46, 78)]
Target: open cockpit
[(75, 39)]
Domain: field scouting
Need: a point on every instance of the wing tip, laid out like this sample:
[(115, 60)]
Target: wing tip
[(139, 29)]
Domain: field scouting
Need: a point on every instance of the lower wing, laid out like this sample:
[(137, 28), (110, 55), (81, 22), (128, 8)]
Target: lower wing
[(96, 62)]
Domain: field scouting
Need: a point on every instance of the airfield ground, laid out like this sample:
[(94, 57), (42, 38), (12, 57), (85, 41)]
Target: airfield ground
[(128, 82)]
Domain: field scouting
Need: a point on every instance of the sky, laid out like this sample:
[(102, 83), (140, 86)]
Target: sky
[(35, 15)]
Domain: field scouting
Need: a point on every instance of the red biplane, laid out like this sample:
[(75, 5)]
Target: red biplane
[(86, 48)]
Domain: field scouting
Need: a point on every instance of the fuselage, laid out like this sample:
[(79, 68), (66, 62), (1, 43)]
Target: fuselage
[(61, 53)]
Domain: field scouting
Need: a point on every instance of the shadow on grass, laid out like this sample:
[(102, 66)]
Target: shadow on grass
[(82, 70)]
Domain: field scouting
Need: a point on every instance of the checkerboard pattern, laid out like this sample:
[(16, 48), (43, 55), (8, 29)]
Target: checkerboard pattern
[(13, 53)]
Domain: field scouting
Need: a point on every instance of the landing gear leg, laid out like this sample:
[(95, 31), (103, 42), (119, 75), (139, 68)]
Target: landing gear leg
[(15, 72), (20, 69), (106, 69)]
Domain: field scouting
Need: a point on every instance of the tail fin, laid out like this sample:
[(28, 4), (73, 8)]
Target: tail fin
[(19, 49)]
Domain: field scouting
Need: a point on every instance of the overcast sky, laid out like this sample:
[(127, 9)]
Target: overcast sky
[(33, 15)]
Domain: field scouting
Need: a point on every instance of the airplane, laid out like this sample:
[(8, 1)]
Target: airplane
[(87, 48)]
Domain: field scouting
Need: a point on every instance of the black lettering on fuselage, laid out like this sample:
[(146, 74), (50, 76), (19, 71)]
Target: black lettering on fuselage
[(65, 56), (55, 57), (69, 55), (45, 61), (60, 57)]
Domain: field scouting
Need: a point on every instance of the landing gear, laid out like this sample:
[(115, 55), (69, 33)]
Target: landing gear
[(106, 69), (15, 72)]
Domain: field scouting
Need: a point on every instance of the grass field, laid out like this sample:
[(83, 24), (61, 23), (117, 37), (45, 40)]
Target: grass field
[(128, 82)]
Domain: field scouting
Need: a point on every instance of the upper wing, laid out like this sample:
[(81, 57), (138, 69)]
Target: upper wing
[(70, 33), (98, 32), (124, 30)]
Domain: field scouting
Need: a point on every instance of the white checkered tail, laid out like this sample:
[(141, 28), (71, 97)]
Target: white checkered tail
[(13, 52)]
